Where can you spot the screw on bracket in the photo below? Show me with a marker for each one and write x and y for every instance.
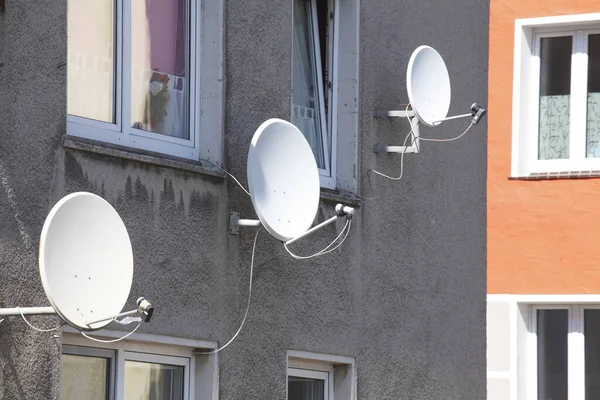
(234, 217)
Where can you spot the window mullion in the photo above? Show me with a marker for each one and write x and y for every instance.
(577, 140)
(119, 63)
(120, 374)
(126, 7)
(534, 99)
(576, 352)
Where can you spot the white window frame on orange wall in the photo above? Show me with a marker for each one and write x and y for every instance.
(526, 89)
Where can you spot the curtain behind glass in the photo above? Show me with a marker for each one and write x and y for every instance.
(306, 107)
(593, 99)
(159, 84)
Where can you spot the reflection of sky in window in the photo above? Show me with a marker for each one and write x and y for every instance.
(153, 381)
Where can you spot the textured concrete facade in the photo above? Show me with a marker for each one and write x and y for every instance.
(405, 296)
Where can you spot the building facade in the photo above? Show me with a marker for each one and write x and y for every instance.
(137, 100)
(542, 316)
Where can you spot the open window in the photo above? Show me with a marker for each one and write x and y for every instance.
(325, 85)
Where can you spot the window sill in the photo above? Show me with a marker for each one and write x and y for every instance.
(141, 156)
(161, 160)
(557, 175)
(335, 196)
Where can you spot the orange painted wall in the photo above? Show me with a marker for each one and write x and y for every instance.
(543, 236)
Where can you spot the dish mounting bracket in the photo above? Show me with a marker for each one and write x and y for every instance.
(235, 222)
(14, 312)
(414, 122)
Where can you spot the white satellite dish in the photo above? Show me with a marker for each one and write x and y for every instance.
(86, 261)
(428, 85)
(283, 179)
(429, 94)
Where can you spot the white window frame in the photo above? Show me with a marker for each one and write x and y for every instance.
(205, 90)
(575, 349)
(201, 371)
(315, 371)
(341, 153)
(339, 372)
(526, 85)
(107, 354)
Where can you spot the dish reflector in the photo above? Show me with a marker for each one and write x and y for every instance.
(283, 179)
(428, 85)
(86, 262)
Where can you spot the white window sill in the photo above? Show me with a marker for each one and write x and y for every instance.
(160, 160)
(540, 176)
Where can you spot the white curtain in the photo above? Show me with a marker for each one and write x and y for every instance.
(593, 125)
(554, 127)
(306, 107)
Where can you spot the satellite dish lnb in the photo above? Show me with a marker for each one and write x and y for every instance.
(283, 180)
(86, 264)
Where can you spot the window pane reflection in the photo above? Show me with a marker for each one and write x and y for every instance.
(305, 388)
(148, 381)
(159, 72)
(91, 59)
(552, 331)
(84, 378)
(555, 97)
(307, 86)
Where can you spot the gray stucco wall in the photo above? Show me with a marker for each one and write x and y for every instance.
(405, 297)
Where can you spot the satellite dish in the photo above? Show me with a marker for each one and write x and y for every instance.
(283, 179)
(428, 85)
(86, 261)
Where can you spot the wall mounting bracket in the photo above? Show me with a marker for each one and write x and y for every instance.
(414, 122)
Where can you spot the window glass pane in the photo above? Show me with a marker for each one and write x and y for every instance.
(84, 378)
(552, 331)
(153, 381)
(159, 71)
(592, 354)
(593, 87)
(307, 89)
(555, 95)
(91, 59)
(305, 388)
